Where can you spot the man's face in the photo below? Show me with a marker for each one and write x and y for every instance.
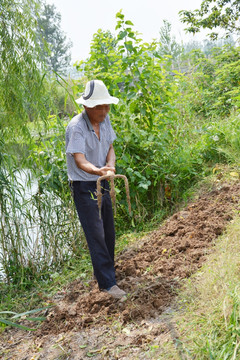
(98, 113)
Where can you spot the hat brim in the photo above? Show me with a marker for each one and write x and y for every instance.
(91, 103)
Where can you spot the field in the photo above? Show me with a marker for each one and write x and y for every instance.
(87, 323)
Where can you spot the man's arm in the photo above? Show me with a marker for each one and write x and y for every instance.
(111, 157)
(83, 164)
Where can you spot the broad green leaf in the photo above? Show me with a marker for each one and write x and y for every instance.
(122, 34)
(120, 15)
(128, 22)
(143, 185)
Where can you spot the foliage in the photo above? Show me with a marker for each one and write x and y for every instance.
(103, 42)
(145, 117)
(35, 220)
(169, 45)
(152, 148)
(47, 157)
(57, 100)
(162, 146)
(224, 344)
(8, 322)
(30, 239)
(21, 78)
(211, 87)
(213, 14)
(52, 41)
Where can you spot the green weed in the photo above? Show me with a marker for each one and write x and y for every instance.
(209, 327)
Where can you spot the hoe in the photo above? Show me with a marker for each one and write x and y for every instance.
(112, 191)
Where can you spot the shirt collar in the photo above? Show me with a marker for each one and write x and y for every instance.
(88, 122)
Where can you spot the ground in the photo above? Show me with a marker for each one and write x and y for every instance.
(86, 323)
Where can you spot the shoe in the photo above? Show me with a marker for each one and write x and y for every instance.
(115, 292)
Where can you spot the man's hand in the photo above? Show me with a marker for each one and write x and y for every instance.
(106, 170)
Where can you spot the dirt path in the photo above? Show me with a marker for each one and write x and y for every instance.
(87, 323)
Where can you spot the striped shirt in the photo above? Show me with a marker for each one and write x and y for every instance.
(81, 138)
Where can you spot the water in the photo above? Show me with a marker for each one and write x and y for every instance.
(35, 226)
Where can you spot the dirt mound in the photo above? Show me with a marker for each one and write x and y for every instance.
(151, 272)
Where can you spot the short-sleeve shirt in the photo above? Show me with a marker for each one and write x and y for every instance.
(81, 138)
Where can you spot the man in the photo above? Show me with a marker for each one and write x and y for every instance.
(90, 154)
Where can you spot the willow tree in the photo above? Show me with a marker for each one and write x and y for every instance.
(21, 71)
(23, 98)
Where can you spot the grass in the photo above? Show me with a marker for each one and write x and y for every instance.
(208, 325)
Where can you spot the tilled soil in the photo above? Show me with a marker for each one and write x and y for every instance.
(150, 273)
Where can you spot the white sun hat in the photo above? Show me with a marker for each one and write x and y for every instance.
(96, 93)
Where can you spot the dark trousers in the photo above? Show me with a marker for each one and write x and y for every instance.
(100, 233)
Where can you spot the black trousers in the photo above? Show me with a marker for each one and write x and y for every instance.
(100, 233)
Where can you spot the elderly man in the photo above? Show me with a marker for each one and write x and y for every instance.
(90, 154)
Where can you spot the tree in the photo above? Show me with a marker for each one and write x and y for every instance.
(103, 43)
(214, 14)
(53, 42)
(208, 46)
(21, 73)
(133, 71)
(168, 43)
